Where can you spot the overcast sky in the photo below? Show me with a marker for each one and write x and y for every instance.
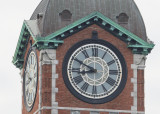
(12, 14)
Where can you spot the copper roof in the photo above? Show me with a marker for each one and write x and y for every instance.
(49, 21)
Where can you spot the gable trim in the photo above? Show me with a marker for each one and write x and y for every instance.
(136, 44)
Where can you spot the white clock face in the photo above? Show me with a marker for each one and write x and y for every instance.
(94, 71)
(30, 80)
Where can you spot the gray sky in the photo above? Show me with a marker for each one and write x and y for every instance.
(13, 13)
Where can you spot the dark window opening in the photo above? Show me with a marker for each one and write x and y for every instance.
(122, 18)
(65, 15)
(113, 113)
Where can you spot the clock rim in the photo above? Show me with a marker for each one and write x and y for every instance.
(29, 108)
(78, 95)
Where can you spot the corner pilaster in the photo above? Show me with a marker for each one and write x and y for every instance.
(48, 57)
(21, 74)
(138, 63)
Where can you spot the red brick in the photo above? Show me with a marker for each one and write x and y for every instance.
(65, 99)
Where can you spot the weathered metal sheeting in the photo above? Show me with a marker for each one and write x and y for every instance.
(51, 9)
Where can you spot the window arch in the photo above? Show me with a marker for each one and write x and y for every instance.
(122, 18)
(65, 15)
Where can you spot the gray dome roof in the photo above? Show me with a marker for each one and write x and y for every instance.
(48, 12)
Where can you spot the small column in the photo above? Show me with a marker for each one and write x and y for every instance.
(21, 74)
(48, 58)
(138, 63)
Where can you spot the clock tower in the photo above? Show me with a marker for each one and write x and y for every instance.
(83, 57)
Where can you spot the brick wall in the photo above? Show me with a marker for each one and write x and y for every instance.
(65, 99)
(140, 90)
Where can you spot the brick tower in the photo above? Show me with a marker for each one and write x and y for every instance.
(83, 57)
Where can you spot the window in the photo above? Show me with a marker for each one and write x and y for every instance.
(65, 15)
(113, 112)
(94, 112)
(75, 112)
(122, 18)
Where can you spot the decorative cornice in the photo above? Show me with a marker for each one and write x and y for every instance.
(21, 47)
(136, 44)
(26, 33)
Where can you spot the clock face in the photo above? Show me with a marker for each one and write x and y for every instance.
(94, 71)
(30, 79)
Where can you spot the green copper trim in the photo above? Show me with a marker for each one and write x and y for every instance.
(47, 44)
(123, 30)
(18, 58)
(141, 46)
(131, 39)
(96, 16)
(52, 41)
(70, 27)
(141, 49)
(28, 28)
(21, 47)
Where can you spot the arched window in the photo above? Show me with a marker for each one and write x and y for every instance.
(122, 18)
(65, 15)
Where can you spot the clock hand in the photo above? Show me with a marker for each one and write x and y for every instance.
(83, 72)
(89, 71)
(84, 64)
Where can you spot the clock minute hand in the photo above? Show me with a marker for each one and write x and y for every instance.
(84, 64)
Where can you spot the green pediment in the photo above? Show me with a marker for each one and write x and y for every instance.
(26, 33)
(136, 44)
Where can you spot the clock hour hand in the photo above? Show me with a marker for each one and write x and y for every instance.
(88, 71)
(82, 72)
(91, 68)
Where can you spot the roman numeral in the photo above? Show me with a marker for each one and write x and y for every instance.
(111, 62)
(85, 86)
(32, 95)
(78, 79)
(31, 59)
(104, 55)
(29, 97)
(35, 65)
(29, 63)
(104, 89)
(110, 81)
(85, 54)
(95, 52)
(113, 72)
(94, 90)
